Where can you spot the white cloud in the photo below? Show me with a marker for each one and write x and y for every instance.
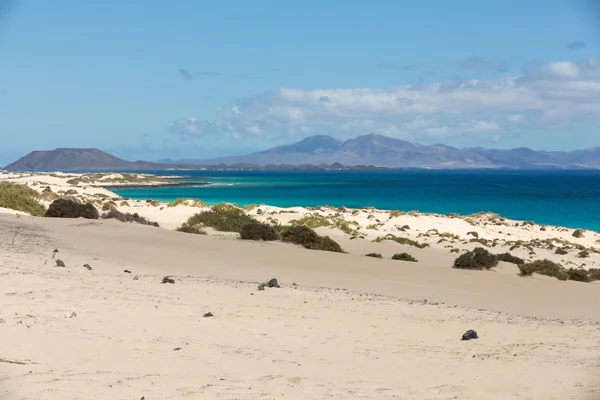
(515, 117)
(190, 127)
(481, 126)
(552, 94)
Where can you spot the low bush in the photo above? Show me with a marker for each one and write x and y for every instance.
(583, 254)
(187, 227)
(21, 198)
(309, 239)
(402, 240)
(404, 257)
(578, 274)
(221, 217)
(550, 268)
(187, 202)
(561, 251)
(544, 267)
(108, 205)
(578, 233)
(374, 255)
(507, 257)
(259, 231)
(62, 208)
(113, 213)
(479, 259)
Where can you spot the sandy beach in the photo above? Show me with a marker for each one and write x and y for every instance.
(340, 326)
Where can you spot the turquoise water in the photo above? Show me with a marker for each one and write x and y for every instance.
(566, 198)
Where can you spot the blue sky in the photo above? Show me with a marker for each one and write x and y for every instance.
(158, 79)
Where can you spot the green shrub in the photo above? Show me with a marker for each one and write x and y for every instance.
(404, 257)
(62, 208)
(583, 254)
(108, 205)
(544, 267)
(578, 274)
(479, 259)
(309, 239)
(259, 231)
(188, 227)
(20, 198)
(594, 274)
(507, 257)
(561, 251)
(402, 240)
(187, 201)
(221, 217)
(113, 213)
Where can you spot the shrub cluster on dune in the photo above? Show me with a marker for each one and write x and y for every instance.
(21, 198)
(113, 213)
(479, 259)
(64, 208)
(259, 231)
(404, 257)
(550, 268)
(229, 218)
(309, 239)
(221, 217)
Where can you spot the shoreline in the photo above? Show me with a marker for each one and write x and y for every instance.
(152, 185)
(446, 233)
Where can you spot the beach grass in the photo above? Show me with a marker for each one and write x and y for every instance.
(187, 201)
(21, 198)
(402, 240)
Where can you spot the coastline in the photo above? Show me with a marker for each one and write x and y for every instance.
(128, 335)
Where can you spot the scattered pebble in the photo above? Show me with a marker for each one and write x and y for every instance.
(208, 314)
(127, 271)
(177, 348)
(136, 278)
(60, 263)
(167, 279)
(87, 266)
(273, 283)
(470, 334)
(70, 314)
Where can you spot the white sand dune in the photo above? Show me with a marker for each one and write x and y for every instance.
(341, 326)
(352, 328)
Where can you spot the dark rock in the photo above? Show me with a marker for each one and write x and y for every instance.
(208, 314)
(470, 334)
(54, 252)
(60, 263)
(87, 266)
(167, 279)
(273, 283)
(127, 271)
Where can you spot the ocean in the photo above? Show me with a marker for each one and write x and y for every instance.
(565, 198)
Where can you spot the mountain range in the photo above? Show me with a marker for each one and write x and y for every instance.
(325, 152)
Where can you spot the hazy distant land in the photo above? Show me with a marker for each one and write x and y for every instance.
(322, 152)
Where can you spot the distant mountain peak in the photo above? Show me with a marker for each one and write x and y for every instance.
(70, 159)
